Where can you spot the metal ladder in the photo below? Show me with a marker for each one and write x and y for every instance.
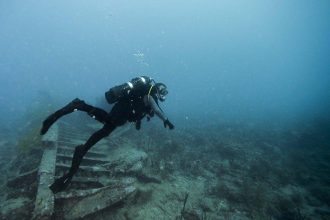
(92, 188)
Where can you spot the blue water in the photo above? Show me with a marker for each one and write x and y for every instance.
(259, 63)
(256, 59)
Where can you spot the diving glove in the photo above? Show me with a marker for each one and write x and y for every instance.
(169, 124)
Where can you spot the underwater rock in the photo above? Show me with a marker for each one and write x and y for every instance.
(91, 201)
(190, 215)
(24, 179)
(129, 161)
(19, 208)
(136, 168)
(206, 205)
(144, 178)
(324, 213)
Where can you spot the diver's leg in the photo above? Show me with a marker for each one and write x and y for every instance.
(80, 151)
(76, 104)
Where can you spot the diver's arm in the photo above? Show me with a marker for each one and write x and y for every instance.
(149, 101)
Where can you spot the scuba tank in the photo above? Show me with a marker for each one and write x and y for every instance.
(124, 90)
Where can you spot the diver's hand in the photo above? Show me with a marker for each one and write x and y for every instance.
(169, 124)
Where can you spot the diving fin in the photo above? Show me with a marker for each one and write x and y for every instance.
(47, 123)
(71, 107)
(60, 184)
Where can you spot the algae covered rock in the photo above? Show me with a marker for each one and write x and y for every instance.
(129, 160)
(19, 208)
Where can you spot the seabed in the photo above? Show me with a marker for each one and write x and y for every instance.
(164, 175)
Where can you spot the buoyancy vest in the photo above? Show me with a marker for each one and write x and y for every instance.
(132, 93)
(137, 87)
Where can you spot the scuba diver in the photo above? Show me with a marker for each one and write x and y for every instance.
(133, 101)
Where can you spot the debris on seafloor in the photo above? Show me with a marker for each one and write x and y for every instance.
(94, 187)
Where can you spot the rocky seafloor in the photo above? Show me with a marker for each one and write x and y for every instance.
(224, 171)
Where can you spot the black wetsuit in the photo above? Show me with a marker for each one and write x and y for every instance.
(127, 110)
